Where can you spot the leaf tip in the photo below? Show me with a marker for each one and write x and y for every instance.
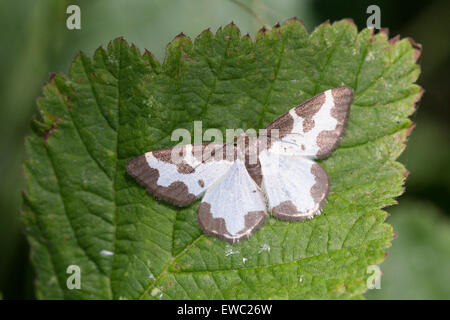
(417, 99)
(177, 43)
(231, 28)
(347, 20)
(151, 58)
(117, 40)
(293, 20)
(204, 35)
(51, 76)
(206, 31)
(394, 40)
(406, 174)
(180, 35)
(417, 47)
(325, 23)
(262, 31)
(410, 129)
(384, 31)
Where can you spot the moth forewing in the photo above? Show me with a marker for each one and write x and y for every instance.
(314, 128)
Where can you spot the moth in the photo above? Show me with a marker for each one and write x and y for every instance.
(236, 192)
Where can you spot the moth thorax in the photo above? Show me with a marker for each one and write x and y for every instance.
(246, 148)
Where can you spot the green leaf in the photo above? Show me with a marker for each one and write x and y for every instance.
(81, 205)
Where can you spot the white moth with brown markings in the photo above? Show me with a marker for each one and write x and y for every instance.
(236, 191)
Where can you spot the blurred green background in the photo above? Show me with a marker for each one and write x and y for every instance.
(35, 41)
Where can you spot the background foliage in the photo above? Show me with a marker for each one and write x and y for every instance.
(36, 42)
